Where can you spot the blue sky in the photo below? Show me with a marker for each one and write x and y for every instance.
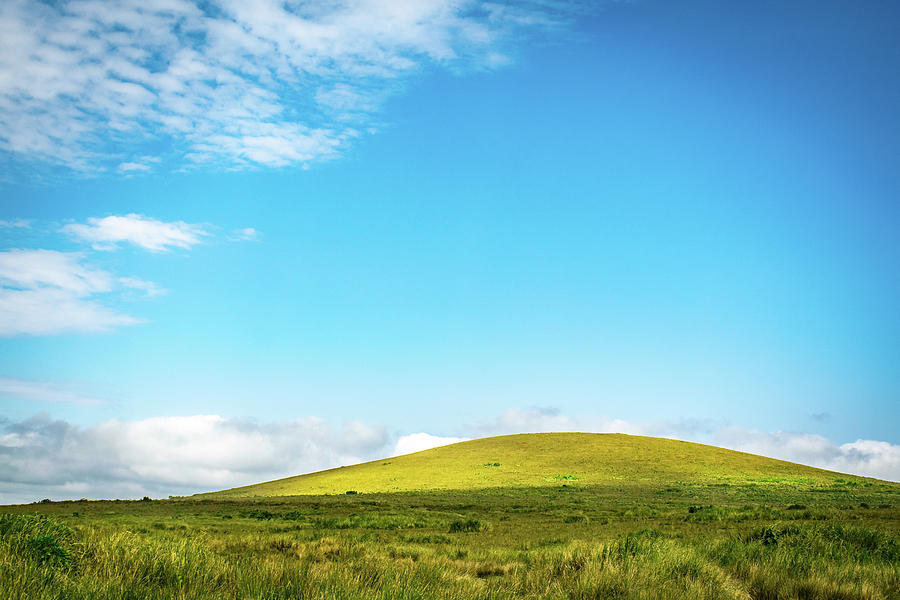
(249, 243)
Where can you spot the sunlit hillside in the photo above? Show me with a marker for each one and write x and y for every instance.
(547, 459)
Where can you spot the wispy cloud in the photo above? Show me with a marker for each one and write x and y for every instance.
(548, 419)
(30, 269)
(93, 85)
(15, 224)
(108, 232)
(143, 164)
(148, 287)
(130, 167)
(246, 234)
(45, 292)
(44, 391)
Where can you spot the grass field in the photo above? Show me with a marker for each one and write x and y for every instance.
(532, 517)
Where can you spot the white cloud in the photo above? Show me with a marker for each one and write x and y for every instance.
(130, 167)
(48, 311)
(29, 269)
(863, 457)
(148, 287)
(145, 232)
(546, 419)
(44, 391)
(92, 84)
(159, 456)
(169, 455)
(15, 224)
(44, 292)
(416, 442)
(246, 234)
(871, 457)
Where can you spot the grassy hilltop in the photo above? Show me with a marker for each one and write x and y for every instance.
(545, 459)
(542, 516)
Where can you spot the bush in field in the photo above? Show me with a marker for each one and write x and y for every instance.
(576, 518)
(47, 549)
(468, 526)
(41, 538)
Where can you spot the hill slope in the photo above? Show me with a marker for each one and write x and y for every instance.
(546, 459)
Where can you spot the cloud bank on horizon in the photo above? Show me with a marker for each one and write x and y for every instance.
(163, 456)
(121, 86)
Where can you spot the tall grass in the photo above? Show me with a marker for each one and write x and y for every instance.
(800, 560)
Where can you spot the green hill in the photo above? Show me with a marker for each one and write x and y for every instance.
(548, 459)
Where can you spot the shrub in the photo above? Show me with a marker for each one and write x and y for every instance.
(260, 515)
(575, 519)
(42, 538)
(48, 550)
(468, 526)
(489, 570)
(772, 535)
(768, 537)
